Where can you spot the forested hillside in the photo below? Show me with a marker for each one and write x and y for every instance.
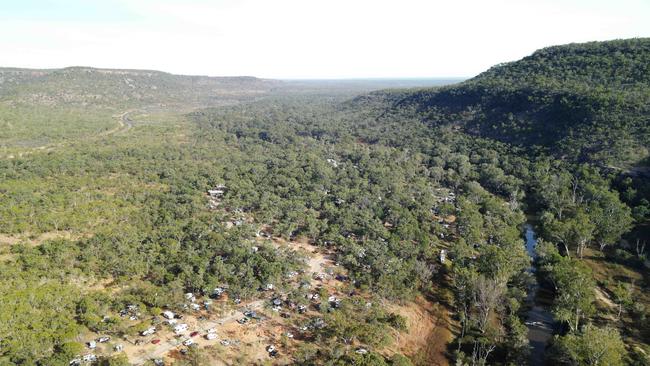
(581, 102)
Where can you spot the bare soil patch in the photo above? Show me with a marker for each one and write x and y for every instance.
(428, 334)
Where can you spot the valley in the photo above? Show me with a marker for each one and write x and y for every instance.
(315, 222)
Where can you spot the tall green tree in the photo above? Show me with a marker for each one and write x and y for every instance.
(611, 218)
(575, 292)
(591, 346)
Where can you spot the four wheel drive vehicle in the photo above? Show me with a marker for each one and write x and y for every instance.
(250, 313)
(188, 342)
(194, 334)
(103, 339)
(155, 341)
(158, 362)
(89, 358)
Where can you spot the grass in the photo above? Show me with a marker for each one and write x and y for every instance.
(25, 129)
(608, 272)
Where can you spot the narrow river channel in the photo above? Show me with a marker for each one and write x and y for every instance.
(539, 319)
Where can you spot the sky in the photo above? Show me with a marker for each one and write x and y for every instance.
(305, 38)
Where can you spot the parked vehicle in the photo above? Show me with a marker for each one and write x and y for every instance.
(272, 350)
(149, 331)
(89, 358)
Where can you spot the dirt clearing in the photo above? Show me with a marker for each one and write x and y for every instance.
(425, 341)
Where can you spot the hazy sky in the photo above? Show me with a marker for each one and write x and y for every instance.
(304, 38)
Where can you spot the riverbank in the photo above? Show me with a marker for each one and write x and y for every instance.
(539, 318)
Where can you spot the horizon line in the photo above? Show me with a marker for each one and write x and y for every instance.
(281, 78)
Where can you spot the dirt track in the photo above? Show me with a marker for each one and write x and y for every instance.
(124, 124)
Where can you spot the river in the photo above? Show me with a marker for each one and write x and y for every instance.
(539, 319)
